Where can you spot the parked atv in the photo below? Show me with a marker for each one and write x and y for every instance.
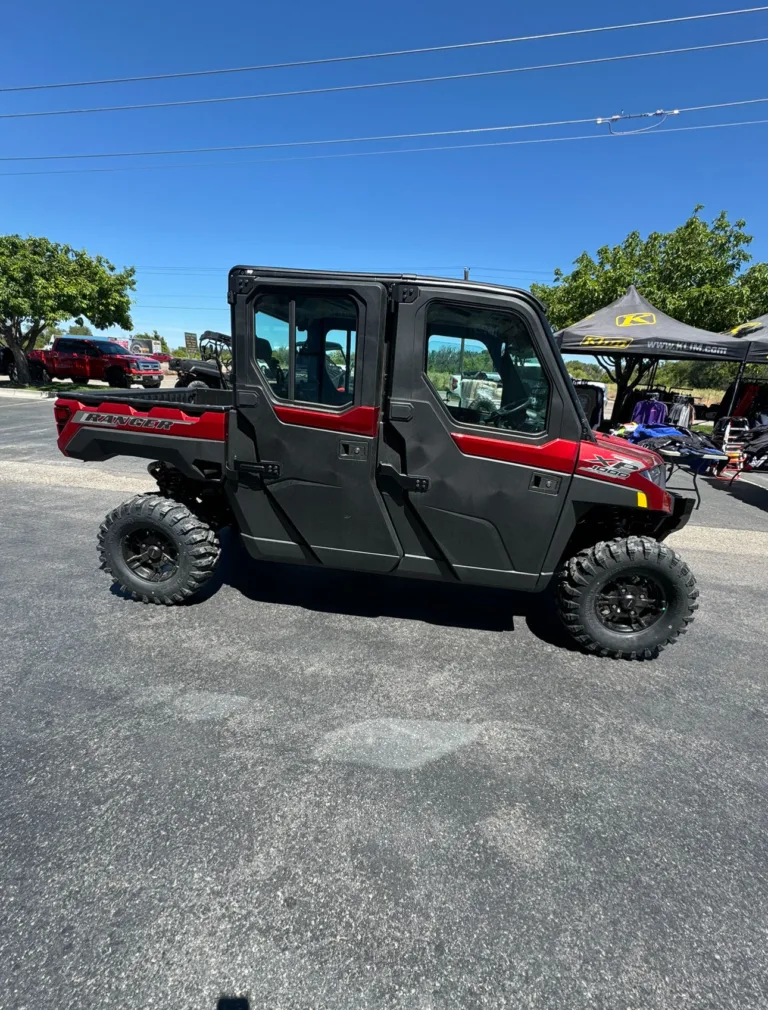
(369, 467)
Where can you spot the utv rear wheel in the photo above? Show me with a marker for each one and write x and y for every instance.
(627, 598)
(157, 550)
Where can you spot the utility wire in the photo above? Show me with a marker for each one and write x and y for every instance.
(371, 154)
(379, 56)
(723, 105)
(608, 120)
(381, 84)
(297, 143)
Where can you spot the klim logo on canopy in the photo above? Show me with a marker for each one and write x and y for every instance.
(637, 319)
(617, 343)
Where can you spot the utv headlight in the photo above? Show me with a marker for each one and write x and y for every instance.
(656, 475)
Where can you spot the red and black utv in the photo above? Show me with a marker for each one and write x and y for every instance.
(350, 450)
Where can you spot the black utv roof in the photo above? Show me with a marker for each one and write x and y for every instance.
(265, 273)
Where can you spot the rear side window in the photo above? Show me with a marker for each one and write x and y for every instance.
(484, 367)
(65, 345)
(306, 346)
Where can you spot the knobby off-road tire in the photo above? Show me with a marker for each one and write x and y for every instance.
(157, 550)
(627, 598)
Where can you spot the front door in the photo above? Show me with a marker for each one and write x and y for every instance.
(480, 411)
(303, 437)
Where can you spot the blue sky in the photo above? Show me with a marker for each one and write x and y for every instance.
(511, 213)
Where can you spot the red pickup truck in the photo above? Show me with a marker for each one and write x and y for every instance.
(81, 359)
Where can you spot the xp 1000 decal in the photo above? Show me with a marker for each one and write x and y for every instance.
(612, 466)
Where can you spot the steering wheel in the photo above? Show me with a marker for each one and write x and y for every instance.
(506, 412)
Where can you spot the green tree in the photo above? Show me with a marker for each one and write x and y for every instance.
(48, 334)
(79, 330)
(44, 282)
(697, 273)
(704, 374)
(587, 370)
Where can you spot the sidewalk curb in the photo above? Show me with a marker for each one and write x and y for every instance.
(28, 395)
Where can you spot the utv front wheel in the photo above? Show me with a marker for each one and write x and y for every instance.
(157, 550)
(627, 598)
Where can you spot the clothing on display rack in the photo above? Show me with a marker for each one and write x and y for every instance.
(650, 410)
(681, 411)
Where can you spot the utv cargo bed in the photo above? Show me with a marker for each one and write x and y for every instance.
(184, 427)
(210, 399)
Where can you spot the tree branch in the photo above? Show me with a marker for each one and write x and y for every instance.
(609, 365)
(29, 339)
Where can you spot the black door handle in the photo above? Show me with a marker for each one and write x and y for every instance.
(405, 480)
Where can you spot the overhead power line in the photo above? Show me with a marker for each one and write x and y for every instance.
(371, 154)
(378, 56)
(381, 84)
(602, 120)
(295, 143)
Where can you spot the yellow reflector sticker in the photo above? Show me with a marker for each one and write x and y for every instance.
(642, 501)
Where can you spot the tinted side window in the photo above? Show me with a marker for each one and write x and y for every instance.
(65, 345)
(306, 346)
(484, 367)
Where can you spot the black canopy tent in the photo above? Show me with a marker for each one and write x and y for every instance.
(632, 327)
(756, 332)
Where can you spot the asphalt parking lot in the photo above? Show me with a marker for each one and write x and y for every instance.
(329, 791)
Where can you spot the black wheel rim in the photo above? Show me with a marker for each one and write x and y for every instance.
(150, 554)
(631, 603)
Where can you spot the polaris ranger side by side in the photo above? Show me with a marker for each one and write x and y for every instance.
(373, 467)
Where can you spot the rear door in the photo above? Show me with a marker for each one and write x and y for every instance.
(496, 462)
(79, 372)
(62, 358)
(303, 437)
